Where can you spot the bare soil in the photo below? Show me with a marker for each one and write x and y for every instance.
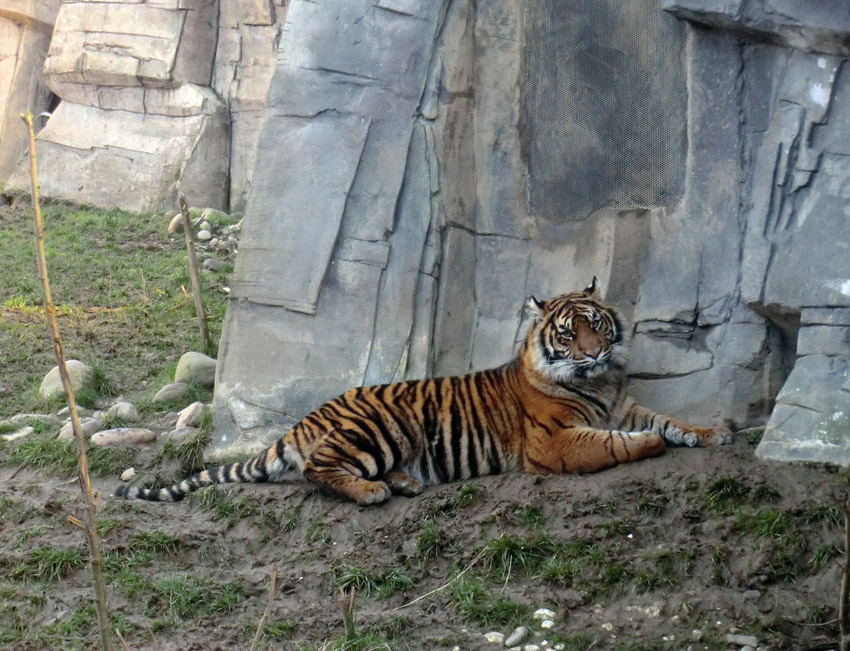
(669, 553)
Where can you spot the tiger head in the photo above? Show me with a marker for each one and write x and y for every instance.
(574, 337)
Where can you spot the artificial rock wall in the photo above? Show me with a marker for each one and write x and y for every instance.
(388, 234)
(25, 28)
(158, 97)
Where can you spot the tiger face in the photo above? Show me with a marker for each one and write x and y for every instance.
(575, 337)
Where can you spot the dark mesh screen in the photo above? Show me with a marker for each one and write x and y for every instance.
(604, 106)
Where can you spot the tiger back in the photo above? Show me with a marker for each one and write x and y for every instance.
(559, 406)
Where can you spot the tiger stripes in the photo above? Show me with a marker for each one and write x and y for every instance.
(559, 406)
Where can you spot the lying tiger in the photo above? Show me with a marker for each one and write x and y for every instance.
(559, 406)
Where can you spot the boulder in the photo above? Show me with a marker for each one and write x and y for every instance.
(171, 392)
(196, 368)
(192, 415)
(80, 374)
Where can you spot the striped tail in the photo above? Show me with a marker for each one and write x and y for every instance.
(267, 466)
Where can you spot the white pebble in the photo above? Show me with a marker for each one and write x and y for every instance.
(559, 646)
(128, 475)
(495, 637)
(544, 613)
(531, 647)
(696, 635)
(547, 623)
(515, 638)
(608, 626)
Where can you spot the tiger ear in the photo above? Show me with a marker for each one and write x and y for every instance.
(536, 307)
(591, 290)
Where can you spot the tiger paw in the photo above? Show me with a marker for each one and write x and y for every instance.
(707, 436)
(402, 484)
(371, 492)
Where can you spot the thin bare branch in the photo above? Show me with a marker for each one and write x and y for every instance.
(90, 524)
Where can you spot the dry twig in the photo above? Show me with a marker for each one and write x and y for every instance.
(90, 520)
(193, 274)
(272, 590)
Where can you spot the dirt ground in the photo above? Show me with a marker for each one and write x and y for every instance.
(675, 552)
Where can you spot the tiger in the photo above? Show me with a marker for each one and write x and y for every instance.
(560, 406)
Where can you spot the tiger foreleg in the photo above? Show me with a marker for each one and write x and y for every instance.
(674, 432)
(584, 449)
(342, 482)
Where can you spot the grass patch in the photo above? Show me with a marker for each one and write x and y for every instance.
(49, 563)
(60, 457)
(469, 494)
(473, 602)
(222, 507)
(366, 583)
(431, 542)
(724, 493)
(179, 597)
(116, 278)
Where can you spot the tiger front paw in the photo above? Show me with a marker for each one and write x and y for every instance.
(717, 435)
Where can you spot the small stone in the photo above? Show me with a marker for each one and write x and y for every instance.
(214, 242)
(128, 475)
(47, 419)
(88, 424)
(547, 623)
(176, 224)
(531, 647)
(495, 637)
(171, 392)
(205, 226)
(696, 635)
(123, 411)
(751, 595)
(18, 434)
(197, 368)
(192, 415)
(122, 436)
(559, 646)
(745, 640)
(181, 435)
(214, 265)
(747, 647)
(517, 637)
(608, 626)
(544, 613)
(204, 235)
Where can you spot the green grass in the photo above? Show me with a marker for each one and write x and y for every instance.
(116, 280)
(724, 493)
(49, 563)
(222, 506)
(475, 602)
(431, 542)
(180, 596)
(60, 457)
(469, 494)
(368, 583)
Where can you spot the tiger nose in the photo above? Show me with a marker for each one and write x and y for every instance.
(593, 352)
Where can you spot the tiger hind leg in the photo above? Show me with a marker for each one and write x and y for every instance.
(403, 484)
